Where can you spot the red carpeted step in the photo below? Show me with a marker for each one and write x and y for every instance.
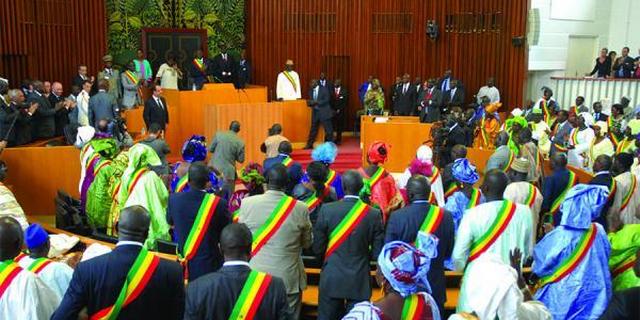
(349, 156)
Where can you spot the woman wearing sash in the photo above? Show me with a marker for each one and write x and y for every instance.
(253, 181)
(625, 243)
(488, 128)
(617, 123)
(326, 153)
(465, 196)
(571, 262)
(423, 165)
(194, 149)
(600, 144)
(402, 275)
(314, 192)
(98, 196)
(374, 99)
(580, 140)
(104, 148)
(378, 182)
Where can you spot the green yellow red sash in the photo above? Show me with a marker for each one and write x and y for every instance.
(474, 201)
(93, 160)
(331, 177)
(182, 183)
(100, 166)
(613, 187)
(376, 177)
(137, 279)
(235, 216)
(250, 298)
(273, 223)
(9, 270)
(512, 155)
(574, 136)
(545, 111)
(342, 231)
(135, 178)
(291, 80)
(200, 226)
(622, 267)
(413, 307)
(434, 176)
(133, 78)
(572, 261)
(498, 226)
(287, 162)
(531, 196)
(84, 149)
(555, 206)
(431, 221)
(38, 265)
(20, 256)
(624, 145)
(483, 133)
(627, 197)
(451, 190)
(199, 63)
(313, 202)
(432, 198)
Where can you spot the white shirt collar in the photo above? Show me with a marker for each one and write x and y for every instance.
(128, 243)
(602, 172)
(351, 197)
(3, 99)
(236, 263)
(38, 93)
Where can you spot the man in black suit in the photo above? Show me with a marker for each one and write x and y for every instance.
(404, 224)
(223, 66)
(405, 102)
(21, 132)
(345, 278)
(431, 103)
(81, 76)
(321, 114)
(603, 177)
(456, 135)
(44, 118)
(597, 113)
(244, 70)
(216, 295)
(62, 115)
(455, 96)
(323, 82)
(623, 68)
(182, 211)
(97, 282)
(155, 109)
(339, 101)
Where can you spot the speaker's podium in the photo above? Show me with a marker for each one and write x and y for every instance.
(403, 134)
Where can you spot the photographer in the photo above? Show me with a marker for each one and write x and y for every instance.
(15, 119)
(117, 128)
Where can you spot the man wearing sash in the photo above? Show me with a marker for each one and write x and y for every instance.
(197, 71)
(522, 192)
(198, 218)
(227, 148)
(347, 235)
(627, 201)
(625, 244)
(420, 215)
(496, 227)
(127, 283)
(236, 291)
(463, 195)
(294, 168)
(457, 152)
(130, 85)
(288, 84)
(54, 274)
(580, 141)
(603, 177)
(503, 156)
(555, 187)
(22, 294)
(281, 229)
(571, 262)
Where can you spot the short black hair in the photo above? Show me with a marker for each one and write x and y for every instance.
(618, 107)
(85, 82)
(317, 171)
(352, 182)
(234, 126)
(198, 174)
(236, 240)
(285, 147)
(277, 176)
(155, 128)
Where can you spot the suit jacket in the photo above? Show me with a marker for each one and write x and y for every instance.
(404, 224)
(227, 148)
(552, 187)
(97, 282)
(603, 179)
(346, 273)
(561, 135)
(600, 117)
(102, 106)
(7, 117)
(154, 113)
(321, 106)
(499, 159)
(114, 82)
(339, 101)
(243, 73)
(431, 103)
(456, 100)
(457, 135)
(326, 84)
(181, 213)
(294, 171)
(281, 255)
(624, 69)
(62, 115)
(195, 73)
(219, 65)
(77, 80)
(213, 296)
(44, 122)
(21, 133)
(405, 102)
(130, 97)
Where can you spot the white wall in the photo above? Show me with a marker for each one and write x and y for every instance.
(624, 26)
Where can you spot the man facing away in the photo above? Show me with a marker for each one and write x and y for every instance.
(22, 295)
(196, 214)
(102, 105)
(159, 145)
(603, 177)
(420, 215)
(555, 187)
(227, 149)
(288, 83)
(98, 282)
(294, 168)
(221, 295)
(281, 229)
(347, 235)
(272, 142)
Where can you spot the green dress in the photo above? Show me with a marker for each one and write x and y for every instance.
(99, 199)
(624, 245)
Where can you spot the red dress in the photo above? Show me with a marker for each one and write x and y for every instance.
(384, 193)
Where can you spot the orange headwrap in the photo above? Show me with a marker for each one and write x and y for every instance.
(378, 152)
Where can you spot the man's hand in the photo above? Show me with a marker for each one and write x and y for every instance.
(33, 107)
(515, 258)
(547, 227)
(3, 144)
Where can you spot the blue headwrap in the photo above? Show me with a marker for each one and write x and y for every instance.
(464, 171)
(35, 236)
(194, 149)
(406, 267)
(582, 204)
(325, 153)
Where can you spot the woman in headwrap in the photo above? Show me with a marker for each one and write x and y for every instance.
(374, 99)
(628, 143)
(84, 136)
(98, 195)
(141, 186)
(194, 149)
(540, 132)
(580, 140)
(314, 192)
(571, 261)
(463, 194)
(616, 123)
(423, 165)
(116, 169)
(103, 149)
(625, 243)
(513, 127)
(600, 144)
(378, 182)
(488, 128)
(402, 275)
(253, 181)
(326, 153)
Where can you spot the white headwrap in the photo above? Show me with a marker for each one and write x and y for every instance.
(588, 118)
(424, 153)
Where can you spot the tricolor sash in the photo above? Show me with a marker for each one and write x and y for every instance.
(313, 202)
(20, 256)
(9, 270)
(200, 226)
(434, 176)
(624, 145)
(133, 78)
(291, 80)
(572, 261)
(235, 216)
(100, 166)
(137, 279)
(93, 160)
(512, 155)
(432, 198)
(199, 64)
(613, 187)
(431, 221)
(375, 177)
(555, 206)
(84, 149)
(342, 231)
(250, 298)
(496, 229)
(413, 307)
(627, 197)
(38, 265)
(287, 162)
(474, 200)
(272, 224)
(622, 267)
(531, 196)
(135, 178)
(331, 177)
(546, 114)
(574, 136)
(451, 190)
(483, 133)
(182, 183)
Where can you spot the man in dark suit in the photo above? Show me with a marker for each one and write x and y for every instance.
(339, 102)
(444, 84)
(217, 295)
(43, 122)
(182, 211)
(294, 169)
(405, 102)
(97, 282)
(455, 96)
(431, 103)
(345, 278)
(223, 66)
(560, 132)
(457, 135)
(21, 132)
(62, 116)
(321, 114)
(155, 109)
(404, 224)
(324, 82)
(597, 113)
(81, 76)
(244, 71)
(603, 177)
(554, 184)
(623, 68)
(102, 106)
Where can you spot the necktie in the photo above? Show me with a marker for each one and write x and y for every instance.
(337, 91)
(159, 102)
(315, 94)
(404, 89)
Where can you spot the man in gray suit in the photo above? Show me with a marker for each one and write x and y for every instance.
(227, 149)
(102, 106)
(130, 85)
(281, 254)
(500, 158)
(560, 133)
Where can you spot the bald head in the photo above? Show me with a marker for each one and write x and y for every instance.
(502, 139)
(134, 224)
(418, 188)
(352, 183)
(11, 238)
(495, 181)
(602, 163)
(235, 242)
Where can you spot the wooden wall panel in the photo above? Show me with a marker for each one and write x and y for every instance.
(47, 39)
(386, 38)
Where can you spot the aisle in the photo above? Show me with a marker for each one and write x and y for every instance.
(349, 155)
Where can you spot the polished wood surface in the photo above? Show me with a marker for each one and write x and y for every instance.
(385, 38)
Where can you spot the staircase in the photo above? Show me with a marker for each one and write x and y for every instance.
(349, 155)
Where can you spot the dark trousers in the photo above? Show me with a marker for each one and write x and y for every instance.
(338, 125)
(333, 308)
(313, 132)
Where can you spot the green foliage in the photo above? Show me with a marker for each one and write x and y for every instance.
(223, 20)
